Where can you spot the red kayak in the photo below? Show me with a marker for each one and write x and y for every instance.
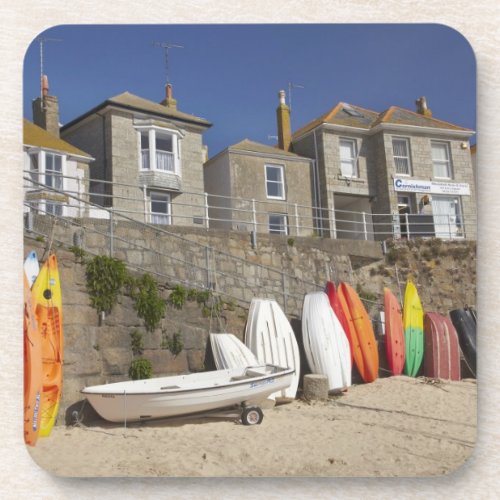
(333, 297)
(394, 333)
(442, 351)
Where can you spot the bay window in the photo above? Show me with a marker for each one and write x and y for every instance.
(159, 150)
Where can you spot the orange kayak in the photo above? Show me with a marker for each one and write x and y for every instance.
(394, 333)
(364, 345)
(48, 312)
(32, 369)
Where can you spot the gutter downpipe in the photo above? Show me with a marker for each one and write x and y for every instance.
(317, 193)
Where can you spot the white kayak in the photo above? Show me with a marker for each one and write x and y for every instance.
(325, 342)
(230, 352)
(31, 267)
(270, 337)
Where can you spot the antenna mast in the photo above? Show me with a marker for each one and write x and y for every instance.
(41, 41)
(166, 46)
(290, 87)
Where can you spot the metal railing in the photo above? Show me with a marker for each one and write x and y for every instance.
(226, 212)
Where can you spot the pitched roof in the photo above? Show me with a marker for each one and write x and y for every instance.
(33, 135)
(133, 102)
(257, 147)
(354, 116)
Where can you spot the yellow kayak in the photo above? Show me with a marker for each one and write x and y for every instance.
(46, 293)
(413, 324)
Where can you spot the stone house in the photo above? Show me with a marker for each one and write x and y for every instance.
(58, 170)
(257, 187)
(148, 158)
(396, 162)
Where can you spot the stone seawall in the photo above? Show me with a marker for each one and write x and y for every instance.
(98, 351)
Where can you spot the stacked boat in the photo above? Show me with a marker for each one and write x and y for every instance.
(43, 347)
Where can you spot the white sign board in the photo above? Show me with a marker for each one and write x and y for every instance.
(431, 187)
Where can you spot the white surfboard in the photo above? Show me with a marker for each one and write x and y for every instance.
(229, 352)
(31, 267)
(270, 337)
(325, 342)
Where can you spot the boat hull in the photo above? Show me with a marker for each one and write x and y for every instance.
(325, 343)
(32, 369)
(394, 334)
(465, 325)
(335, 304)
(229, 352)
(48, 312)
(364, 345)
(413, 324)
(164, 397)
(442, 351)
(270, 337)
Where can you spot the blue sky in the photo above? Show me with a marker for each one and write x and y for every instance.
(231, 74)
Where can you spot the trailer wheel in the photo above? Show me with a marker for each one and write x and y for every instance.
(252, 416)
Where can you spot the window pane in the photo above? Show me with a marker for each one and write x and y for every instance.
(346, 150)
(347, 168)
(273, 174)
(164, 143)
(277, 224)
(439, 152)
(402, 165)
(274, 182)
(144, 140)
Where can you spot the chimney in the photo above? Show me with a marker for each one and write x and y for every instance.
(46, 109)
(169, 100)
(422, 107)
(284, 127)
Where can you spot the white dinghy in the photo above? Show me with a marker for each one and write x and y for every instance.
(325, 342)
(139, 400)
(270, 337)
(230, 352)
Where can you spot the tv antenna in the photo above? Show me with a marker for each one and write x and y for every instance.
(42, 41)
(290, 87)
(166, 46)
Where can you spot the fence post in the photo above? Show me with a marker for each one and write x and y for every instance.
(449, 225)
(254, 215)
(111, 230)
(283, 287)
(365, 231)
(297, 224)
(207, 263)
(145, 197)
(407, 226)
(207, 224)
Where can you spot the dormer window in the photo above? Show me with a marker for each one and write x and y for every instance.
(160, 150)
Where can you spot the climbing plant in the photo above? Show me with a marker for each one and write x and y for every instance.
(105, 279)
(147, 301)
(140, 368)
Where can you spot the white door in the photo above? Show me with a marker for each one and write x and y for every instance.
(447, 216)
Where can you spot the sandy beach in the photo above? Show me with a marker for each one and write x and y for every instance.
(396, 426)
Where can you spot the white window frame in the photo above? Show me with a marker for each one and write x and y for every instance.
(154, 216)
(353, 160)
(283, 225)
(280, 183)
(152, 132)
(447, 162)
(406, 141)
(57, 176)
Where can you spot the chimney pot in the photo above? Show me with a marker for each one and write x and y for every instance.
(45, 85)
(284, 125)
(422, 106)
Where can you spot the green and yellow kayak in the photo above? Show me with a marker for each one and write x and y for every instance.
(413, 324)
